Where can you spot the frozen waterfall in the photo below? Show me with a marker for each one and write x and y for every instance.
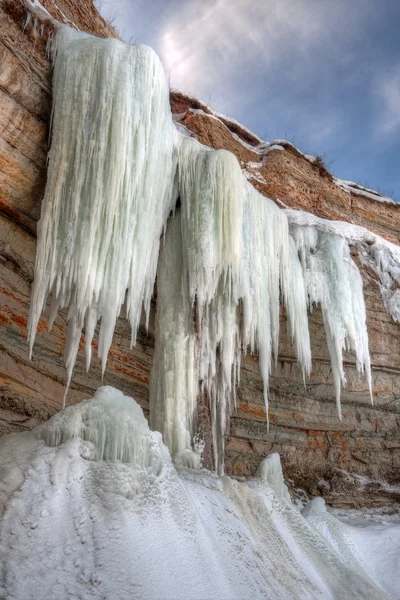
(109, 189)
(227, 263)
(116, 168)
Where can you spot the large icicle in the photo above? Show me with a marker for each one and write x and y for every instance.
(108, 191)
(236, 256)
(174, 382)
(270, 264)
(334, 282)
(211, 188)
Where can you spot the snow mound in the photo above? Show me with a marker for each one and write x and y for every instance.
(77, 522)
(114, 424)
(315, 507)
(270, 471)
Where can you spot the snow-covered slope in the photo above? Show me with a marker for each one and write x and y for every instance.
(92, 507)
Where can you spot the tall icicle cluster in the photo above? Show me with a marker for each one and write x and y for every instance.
(334, 282)
(109, 188)
(174, 381)
(116, 167)
(236, 257)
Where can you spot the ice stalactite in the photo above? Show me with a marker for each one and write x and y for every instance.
(211, 189)
(270, 471)
(237, 261)
(174, 381)
(109, 188)
(271, 272)
(334, 282)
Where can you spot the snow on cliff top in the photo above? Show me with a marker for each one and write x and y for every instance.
(261, 147)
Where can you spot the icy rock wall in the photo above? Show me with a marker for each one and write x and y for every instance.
(109, 193)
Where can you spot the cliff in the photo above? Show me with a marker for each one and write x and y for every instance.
(316, 447)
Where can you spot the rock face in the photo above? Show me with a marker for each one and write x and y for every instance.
(317, 449)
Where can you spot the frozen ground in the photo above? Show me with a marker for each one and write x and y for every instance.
(92, 507)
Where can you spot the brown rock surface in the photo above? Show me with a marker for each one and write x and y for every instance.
(304, 425)
(290, 179)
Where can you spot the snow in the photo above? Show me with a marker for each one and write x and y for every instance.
(78, 523)
(371, 547)
(316, 506)
(354, 188)
(109, 189)
(284, 144)
(250, 176)
(207, 110)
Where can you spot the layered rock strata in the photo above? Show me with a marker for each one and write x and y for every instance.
(317, 449)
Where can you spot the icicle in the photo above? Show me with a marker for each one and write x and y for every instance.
(174, 382)
(269, 263)
(211, 192)
(334, 282)
(109, 188)
(270, 471)
(236, 254)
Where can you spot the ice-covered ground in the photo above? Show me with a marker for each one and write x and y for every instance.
(92, 507)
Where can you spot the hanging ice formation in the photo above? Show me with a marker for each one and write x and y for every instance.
(333, 281)
(116, 166)
(174, 381)
(229, 256)
(108, 191)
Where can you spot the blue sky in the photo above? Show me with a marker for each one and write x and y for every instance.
(323, 74)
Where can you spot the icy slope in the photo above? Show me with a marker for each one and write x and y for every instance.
(76, 525)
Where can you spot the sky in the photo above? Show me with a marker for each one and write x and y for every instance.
(322, 74)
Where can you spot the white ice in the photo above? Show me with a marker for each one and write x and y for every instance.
(78, 522)
(116, 167)
(334, 282)
(222, 274)
(174, 379)
(375, 252)
(109, 188)
(270, 471)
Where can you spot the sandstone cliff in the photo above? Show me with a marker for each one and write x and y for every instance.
(304, 428)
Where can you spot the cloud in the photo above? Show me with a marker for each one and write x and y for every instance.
(218, 40)
(388, 94)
